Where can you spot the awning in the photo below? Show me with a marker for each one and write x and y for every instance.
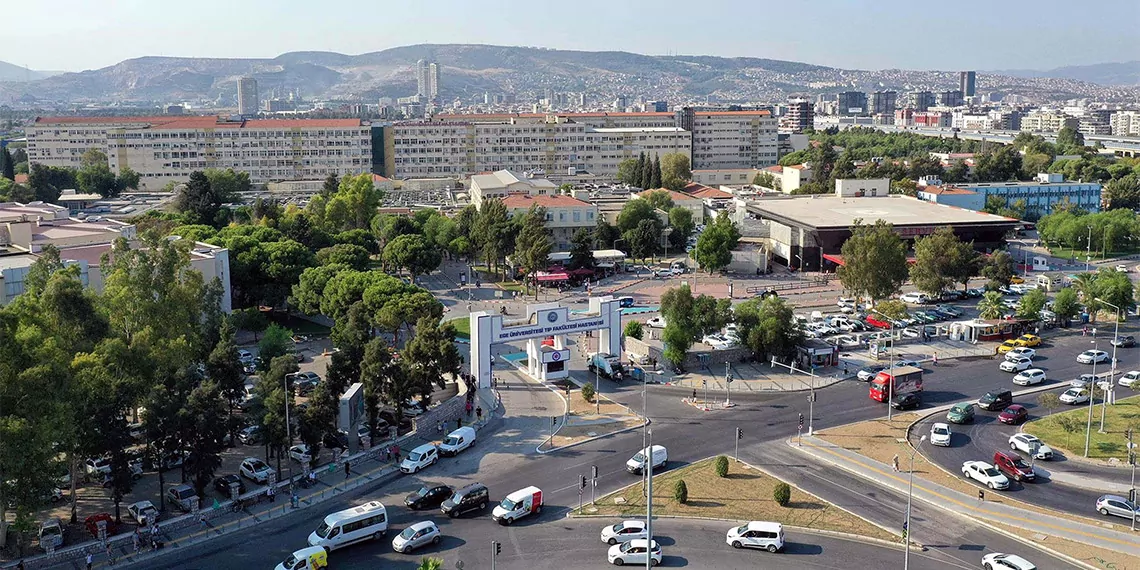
(582, 272)
(543, 276)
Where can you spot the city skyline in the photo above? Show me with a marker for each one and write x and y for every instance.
(134, 29)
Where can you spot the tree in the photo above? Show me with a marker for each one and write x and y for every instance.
(273, 392)
(318, 419)
(766, 180)
(681, 220)
(1030, 305)
(95, 177)
(224, 368)
(1032, 164)
(588, 393)
(646, 180)
(198, 201)
(681, 492)
(430, 356)
(228, 183)
(410, 252)
(633, 329)
(1049, 401)
(941, 260)
(353, 205)
(991, 305)
(782, 494)
(768, 327)
(1070, 141)
(635, 211)
(1123, 193)
(331, 185)
(1065, 305)
(721, 466)
(644, 239)
(628, 171)
(12, 192)
(605, 235)
(533, 245)
(205, 414)
(658, 199)
(675, 171)
(893, 309)
(655, 178)
(1114, 287)
(581, 250)
(822, 159)
(349, 255)
(958, 172)
(492, 232)
(7, 164)
(714, 246)
(431, 564)
(998, 165)
(998, 269)
(274, 343)
(677, 306)
(874, 261)
(47, 182)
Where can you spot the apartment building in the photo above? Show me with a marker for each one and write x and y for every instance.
(564, 215)
(1047, 122)
(1125, 123)
(852, 103)
(26, 229)
(169, 148)
(501, 183)
(732, 139)
(1040, 195)
(884, 102)
(800, 116)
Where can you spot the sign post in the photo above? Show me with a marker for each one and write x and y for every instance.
(727, 385)
(594, 486)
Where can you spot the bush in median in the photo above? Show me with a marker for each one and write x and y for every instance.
(681, 492)
(782, 494)
(588, 392)
(721, 466)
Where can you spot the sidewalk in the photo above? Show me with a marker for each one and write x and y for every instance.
(958, 503)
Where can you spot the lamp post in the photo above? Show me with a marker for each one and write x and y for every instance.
(890, 359)
(1112, 366)
(1088, 427)
(909, 496)
(649, 504)
(288, 425)
(1088, 249)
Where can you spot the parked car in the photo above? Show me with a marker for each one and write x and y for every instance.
(1130, 378)
(940, 434)
(300, 453)
(914, 298)
(91, 523)
(635, 552)
(1013, 466)
(142, 512)
(624, 531)
(656, 322)
(1013, 415)
(1021, 351)
(98, 466)
(1117, 506)
(250, 435)
(222, 484)
(1027, 443)
(182, 496)
(427, 497)
(255, 470)
(1028, 377)
(1028, 340)
(985, 474)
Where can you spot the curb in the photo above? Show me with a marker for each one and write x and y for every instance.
(976, 520)
(566, 412)
(803, 529)
(588, 440)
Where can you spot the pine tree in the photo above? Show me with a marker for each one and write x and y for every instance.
(655, 181)
(639, 173)
(646, 174)
(7, 164)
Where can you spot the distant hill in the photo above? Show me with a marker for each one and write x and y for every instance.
(9, 72)
(469, 71)
(1120, 73)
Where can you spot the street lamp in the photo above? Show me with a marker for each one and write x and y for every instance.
(1112, 368)
(890, 358)
(909, 496)
(1088, 250)
(1092, 385)
(649, 503)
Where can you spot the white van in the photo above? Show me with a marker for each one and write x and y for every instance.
(360, 523)
(51, 533)
(419, 458)
(636, 464)
(518, 505)
(457, 441)
(311, 558)
(757, 534)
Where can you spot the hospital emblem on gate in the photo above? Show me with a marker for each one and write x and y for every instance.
(552, 316)
(556, 356)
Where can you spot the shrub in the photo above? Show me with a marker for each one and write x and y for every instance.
(681, 492)
(634, 329)
(721, 466)
(588, 392)
(782, 494)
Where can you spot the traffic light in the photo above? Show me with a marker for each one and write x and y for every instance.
(801, 421)
(594, 474)
(905, 529)
(498, 547)
(739, 433)
(581, 481)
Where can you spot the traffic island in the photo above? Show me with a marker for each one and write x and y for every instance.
(588, 419)
(1065, 431)
(746, 493)
(881, 441)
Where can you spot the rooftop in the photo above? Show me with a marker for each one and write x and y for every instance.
(504, 178)
(675, 196)
(834, 212)
(705, 192)
(524, 201)
(200, 122)
(942, 190)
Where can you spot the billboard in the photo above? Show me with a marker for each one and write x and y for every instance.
(351, 407)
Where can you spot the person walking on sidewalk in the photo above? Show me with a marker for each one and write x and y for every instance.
(694, 400)
(347, 470)
(981, 495)
(935, 359)
(895, 463)
(88, 562)
(479, 413)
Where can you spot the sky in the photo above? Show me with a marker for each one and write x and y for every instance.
(74, 35)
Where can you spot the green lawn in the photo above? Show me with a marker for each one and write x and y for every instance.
(462, 326)
(1079, 254)
(1112, 443)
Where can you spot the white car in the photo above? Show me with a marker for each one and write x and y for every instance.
(98, 466)
(624, 531)
(940, 434)
(1026, 443)
(635, 552)
(985, 474)
(656, 322)
(1092, 357)
(1016, 364)
(255, 470)
(245, 355)
(143, 512)
(1028, 377)
(999, 561)
(1130, 379)
(1075, 396)
(719, 341)
(913, 298)
(1082, 381)
(845, 341)
(300, 453)
(1021, 351)
(846, 302)
(1122, 268)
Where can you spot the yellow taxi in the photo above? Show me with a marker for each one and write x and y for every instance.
(1016, 279)
(1007, 346)
(1028, 340)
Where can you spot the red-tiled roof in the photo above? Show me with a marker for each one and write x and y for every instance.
(21, 179)
(462, 116)
(378, 178)
(939, 190)
(201, 122)
(525, 201)
(776, 169)
(301, 123)
(705, 192)
(675, 196)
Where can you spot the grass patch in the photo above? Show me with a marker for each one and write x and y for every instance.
(1117, 419)
(462, 326)
(1079, 254)
(1096, 557)
(745, 494)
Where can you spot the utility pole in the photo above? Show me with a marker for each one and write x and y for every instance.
(739, 436)
(1112, 367)
(727, 385)
(811, 404)
(594, 485)
(597, 375)
(496, 548)
(649, 504)
(706, 386)
(1091, 387)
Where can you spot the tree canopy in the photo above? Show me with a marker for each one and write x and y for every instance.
(874, 261)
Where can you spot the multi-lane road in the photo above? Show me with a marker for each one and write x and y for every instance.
(504, 460)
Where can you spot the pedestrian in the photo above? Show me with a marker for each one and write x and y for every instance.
(347, 470)
(1094, 332)
(20, 565)
(312, 477)
(110, 553)
(137, 540)
(479, 413)
(981, 496)
(294, 500)
(845, 369)
(694, 394)
(468, 408)
(439, 427)
(88, 562)
(895, 462)
(271, 492)
(935, 359)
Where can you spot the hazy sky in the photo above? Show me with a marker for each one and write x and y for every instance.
(74, 35)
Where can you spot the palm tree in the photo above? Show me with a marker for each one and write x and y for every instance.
(991, 306)
(431, 564)
(1085, 284)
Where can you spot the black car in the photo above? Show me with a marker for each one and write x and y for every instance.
(473, 497)
(222, 484)
(1127, 341)
(996, 400)
(907, 401)
(426, 497)
(335, 440)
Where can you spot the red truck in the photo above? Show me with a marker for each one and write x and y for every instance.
(894, 382)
